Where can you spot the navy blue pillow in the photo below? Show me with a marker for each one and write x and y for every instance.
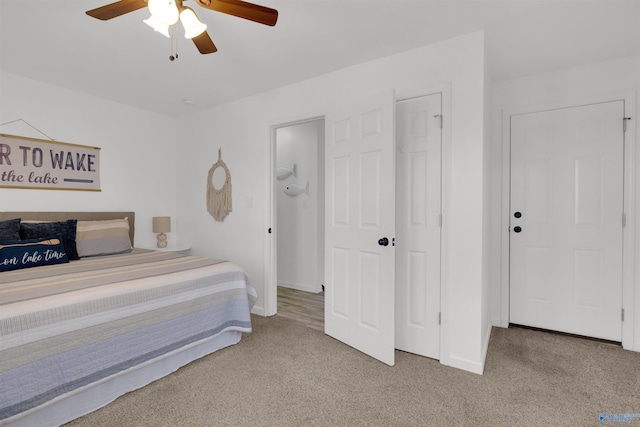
(41, 230)
(10, 229)
(32, 253)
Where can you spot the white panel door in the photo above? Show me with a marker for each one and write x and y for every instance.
(566, 220)
(360, 215)
(418, 208)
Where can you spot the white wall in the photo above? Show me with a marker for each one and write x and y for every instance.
(147, 157)
(138, 171)
(611, 79)
(157, 165)
(297, 227)
(242, 129)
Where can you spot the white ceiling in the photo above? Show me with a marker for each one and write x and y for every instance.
(123, 60)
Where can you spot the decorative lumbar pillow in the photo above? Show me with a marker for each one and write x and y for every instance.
(32, 253)
(10, 229)
(40, 230)
(104, 237)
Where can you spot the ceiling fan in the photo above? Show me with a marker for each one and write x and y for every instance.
(165, 13)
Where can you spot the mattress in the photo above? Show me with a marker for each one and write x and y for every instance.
(65, 327)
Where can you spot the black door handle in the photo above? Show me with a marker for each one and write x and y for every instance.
(517, 229)
(383, 242)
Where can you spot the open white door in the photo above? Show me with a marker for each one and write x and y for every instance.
(360, 226)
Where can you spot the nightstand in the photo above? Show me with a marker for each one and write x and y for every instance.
(182, 249)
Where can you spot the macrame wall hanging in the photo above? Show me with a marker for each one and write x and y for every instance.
(219, 199)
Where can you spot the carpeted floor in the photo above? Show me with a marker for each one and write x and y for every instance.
(286, 374)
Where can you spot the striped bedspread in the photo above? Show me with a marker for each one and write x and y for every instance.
(65, 326)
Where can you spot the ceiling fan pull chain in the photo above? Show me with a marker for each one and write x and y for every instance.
(171, 57)
(175, 29)
(173, 41)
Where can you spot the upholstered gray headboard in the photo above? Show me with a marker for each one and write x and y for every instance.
(82, 216)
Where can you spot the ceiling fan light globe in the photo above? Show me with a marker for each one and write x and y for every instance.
(165, 11)
(157, 26)
(192, 25)
(195, 31)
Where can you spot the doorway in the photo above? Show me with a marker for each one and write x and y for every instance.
(416, 193)
(298, 192)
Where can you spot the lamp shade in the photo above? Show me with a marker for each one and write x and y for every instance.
(192, 25)
(165, 11)
(157, 25)
(161, 224)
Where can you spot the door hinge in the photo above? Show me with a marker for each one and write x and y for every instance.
(624, 220)
(439, 116)
(624, 123)
(440, 318)
(622, 314)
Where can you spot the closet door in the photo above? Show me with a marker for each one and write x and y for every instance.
(418, 208)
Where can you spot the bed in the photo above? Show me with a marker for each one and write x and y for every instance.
(76, 335)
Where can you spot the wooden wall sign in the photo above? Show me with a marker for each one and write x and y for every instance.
(51, 165)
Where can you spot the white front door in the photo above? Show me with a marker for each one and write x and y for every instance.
(566, 220)
(360, 226)
(418, 178)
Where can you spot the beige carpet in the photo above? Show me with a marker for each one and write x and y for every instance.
(285, 374)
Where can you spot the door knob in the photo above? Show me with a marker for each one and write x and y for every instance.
(517, 229)
(383, 242)
(517, 214)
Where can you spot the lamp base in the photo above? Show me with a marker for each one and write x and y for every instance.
(162, 240)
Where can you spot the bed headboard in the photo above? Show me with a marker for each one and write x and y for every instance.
(82, 216)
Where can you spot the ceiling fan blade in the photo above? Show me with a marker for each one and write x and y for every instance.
(243, 9)
(116, 9)
(204, 43)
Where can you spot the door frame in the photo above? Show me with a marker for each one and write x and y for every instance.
(271, 246)
(630, 291)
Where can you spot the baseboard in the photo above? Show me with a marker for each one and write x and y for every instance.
(298, 287)
(497, 321)
(466, 365)
(258, 310)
